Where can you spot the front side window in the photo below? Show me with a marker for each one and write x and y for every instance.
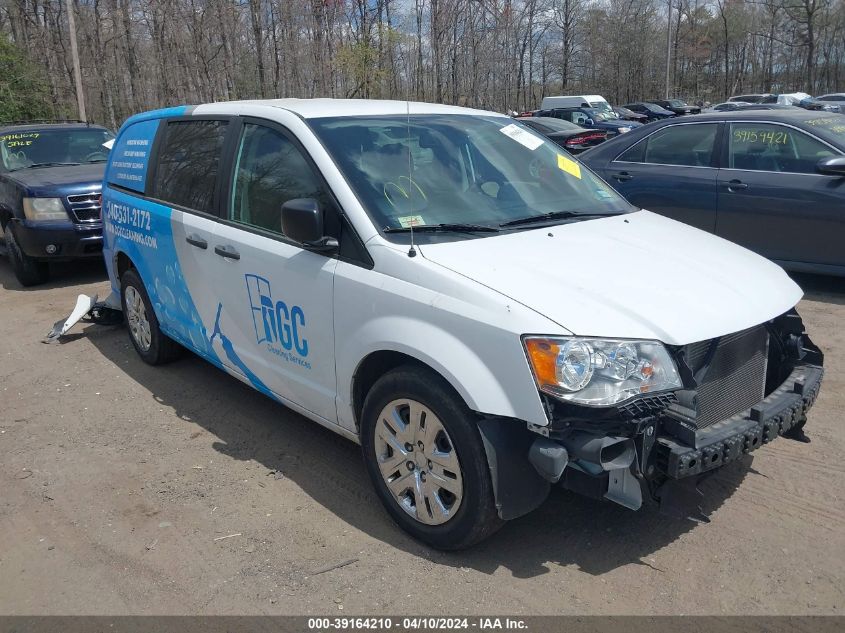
(432, 169)
(44, 148)
(682, 145)
(269, 171)
(188, 163)
(777, 148)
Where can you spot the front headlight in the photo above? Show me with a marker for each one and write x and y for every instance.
(622, 130)
(599, 372)
(44, 209)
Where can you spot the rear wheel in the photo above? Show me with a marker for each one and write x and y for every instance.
(29, 271)
(152, 345)
(425, 457)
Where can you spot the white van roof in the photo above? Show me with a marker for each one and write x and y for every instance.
(317, 108)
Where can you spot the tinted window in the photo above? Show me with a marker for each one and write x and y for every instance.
(769, 147)
(686, 145)
(269, 171)
(188, 163)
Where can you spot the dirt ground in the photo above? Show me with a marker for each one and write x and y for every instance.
(127, 489)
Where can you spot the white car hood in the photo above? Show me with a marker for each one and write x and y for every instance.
(638, 275)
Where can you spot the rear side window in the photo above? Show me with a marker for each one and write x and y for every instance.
(188, 164)
(683, 145)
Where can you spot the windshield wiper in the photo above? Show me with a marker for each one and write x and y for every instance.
(554, 215)
(49, 165)
(433, 228)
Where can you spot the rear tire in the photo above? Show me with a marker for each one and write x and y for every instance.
(29, 271)
(153, 346)
(425, 457)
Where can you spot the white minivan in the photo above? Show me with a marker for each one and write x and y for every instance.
(484, 315)
(597, 102)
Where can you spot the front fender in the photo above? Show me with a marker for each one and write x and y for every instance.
(499, 383)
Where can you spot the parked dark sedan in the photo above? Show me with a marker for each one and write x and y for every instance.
(590, 118)
(770, 180)
(573, 138)
(677, 106)
(650, 110)
(629, 115)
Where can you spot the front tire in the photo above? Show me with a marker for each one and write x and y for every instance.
(425, 457)
(153, 346)
(29, 271)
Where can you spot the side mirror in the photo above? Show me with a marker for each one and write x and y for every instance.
(302, 221)
(833, 165)
(589, 122)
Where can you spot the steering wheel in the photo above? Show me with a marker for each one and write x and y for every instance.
(96, 156)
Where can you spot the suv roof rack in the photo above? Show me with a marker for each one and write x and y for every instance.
(40, 121)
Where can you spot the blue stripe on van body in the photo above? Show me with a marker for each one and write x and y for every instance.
(142, 230)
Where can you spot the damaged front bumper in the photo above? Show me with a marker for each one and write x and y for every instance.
(682, 451)
(656, 449)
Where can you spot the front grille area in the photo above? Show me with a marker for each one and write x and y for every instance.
(736, 378)
(85, 207)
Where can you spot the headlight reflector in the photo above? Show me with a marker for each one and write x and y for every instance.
(599, 372)
(44, 209)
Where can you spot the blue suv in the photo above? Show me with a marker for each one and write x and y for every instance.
(50, 183)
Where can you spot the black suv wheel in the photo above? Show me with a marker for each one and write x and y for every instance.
(29, 271)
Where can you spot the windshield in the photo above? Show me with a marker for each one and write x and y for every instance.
(676, 103)
(596, 115)
(19, 150)
(602, 106)
(432, 169)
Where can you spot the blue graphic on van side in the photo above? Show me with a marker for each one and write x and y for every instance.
(142, 230)
(274, 323)
(233, 357)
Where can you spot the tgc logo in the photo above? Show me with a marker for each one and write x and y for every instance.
(274, 323)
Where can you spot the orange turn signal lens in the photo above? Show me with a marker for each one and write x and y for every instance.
(542, 355)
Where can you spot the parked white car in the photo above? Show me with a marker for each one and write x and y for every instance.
(445, 286)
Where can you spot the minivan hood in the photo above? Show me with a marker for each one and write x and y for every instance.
(638, 275)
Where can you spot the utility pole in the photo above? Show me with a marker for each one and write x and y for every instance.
(74, 53)
(668, 50)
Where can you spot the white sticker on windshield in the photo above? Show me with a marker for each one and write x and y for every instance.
(523, 137)
(407, 221)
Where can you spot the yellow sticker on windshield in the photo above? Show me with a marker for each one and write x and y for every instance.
(569, 166)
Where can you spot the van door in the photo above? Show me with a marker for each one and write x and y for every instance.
(274, 318)
(184, 214)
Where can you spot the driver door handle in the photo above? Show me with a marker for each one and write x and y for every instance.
(736, 185)
(195, 240)
(227, 251)
(622, 176)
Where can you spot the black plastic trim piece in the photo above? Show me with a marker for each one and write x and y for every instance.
(723, 442)
(517, 486)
